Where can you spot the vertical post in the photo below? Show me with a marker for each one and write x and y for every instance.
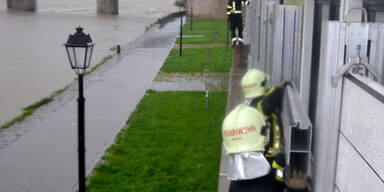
(227, 33)
(181, 33)
(81, 135)
(118, 49)
(206, 98)
(191, 14)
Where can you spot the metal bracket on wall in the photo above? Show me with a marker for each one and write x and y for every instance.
(357, 9)
(356, 63)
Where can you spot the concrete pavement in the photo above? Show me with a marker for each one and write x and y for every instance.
(235, 97)
(41, 155)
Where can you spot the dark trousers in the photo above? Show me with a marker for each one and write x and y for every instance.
(254, 185)
(236, 23)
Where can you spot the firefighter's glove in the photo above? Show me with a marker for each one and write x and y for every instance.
(284, 83)
(295, 179)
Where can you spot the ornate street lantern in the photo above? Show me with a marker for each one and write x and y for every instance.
(79, 49)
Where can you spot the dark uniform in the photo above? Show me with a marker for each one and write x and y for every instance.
(252, 185)
(270, 105)
(234, 11)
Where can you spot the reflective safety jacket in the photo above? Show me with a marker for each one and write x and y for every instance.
(236, 6)
(269, 105)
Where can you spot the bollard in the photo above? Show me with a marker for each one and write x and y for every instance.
(118, 49)
(206, 98)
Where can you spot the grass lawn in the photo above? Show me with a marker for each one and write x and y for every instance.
(214, 31)
(216, 59)
(170, 143)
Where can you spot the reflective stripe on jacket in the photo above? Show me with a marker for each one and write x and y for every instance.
(236, 6)
(278, 168)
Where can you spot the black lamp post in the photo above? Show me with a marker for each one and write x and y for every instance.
(181, 32)
(191, 14)
(79, 49)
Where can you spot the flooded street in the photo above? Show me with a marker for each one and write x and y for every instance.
(32, 59)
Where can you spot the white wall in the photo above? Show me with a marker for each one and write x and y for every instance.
(360, 165)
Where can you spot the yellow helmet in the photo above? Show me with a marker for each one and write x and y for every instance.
(242, 130)
(254, 83)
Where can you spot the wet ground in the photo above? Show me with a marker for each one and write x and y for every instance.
(32, 58)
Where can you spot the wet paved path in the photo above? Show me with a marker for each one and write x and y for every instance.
(44, 157)
(235, 97)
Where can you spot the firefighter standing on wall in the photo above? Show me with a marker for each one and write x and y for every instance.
(268, 102)
(234, 12)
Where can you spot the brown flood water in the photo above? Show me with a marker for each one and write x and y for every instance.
(33, 63)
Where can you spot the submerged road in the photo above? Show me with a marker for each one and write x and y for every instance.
(44, 158)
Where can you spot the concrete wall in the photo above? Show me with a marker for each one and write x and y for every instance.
(25, 5)
(360, 165)
(208, 8)
(108, 6)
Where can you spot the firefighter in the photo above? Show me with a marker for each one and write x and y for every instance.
(244, 139)
(255, 87)
(234, 14)
(268, 102)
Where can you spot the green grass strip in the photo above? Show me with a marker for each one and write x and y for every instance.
(27, 111)
(105, 59)
(216, 59)
(170, 143)
(214, 31)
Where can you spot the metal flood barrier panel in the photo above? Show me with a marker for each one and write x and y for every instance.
(253, 26)
(346, 48)
(360, 162)
(286, 61)
(376, 47)
(275, 35)
(261, 32)
(297, 131)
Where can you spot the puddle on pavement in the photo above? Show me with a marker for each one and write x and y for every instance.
(190, 82)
